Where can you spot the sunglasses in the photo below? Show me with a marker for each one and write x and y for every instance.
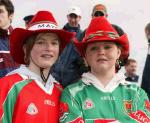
(98, 13)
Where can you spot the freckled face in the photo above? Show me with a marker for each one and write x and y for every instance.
(102, 56)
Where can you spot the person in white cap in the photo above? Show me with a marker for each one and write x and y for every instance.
(74, 16)
(67, 68)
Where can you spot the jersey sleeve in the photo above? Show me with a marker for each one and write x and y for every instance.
(7, 97)
(144, 103)
(5, 107)
(70, 110)
(142, 112)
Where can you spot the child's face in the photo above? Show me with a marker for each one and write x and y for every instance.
(102, 56)
(45, 50)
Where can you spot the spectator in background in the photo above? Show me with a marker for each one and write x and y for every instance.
(27, 19)
(131, 69)
(73, 17)
(100, 10)
(67, 68)
(146, 73)
(7, 64)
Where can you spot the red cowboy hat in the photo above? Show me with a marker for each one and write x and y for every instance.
(43, 21)
(101, 30)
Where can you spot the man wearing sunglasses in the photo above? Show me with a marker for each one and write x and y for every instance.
(100, 10)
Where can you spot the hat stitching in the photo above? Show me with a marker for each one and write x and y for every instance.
(102, 33)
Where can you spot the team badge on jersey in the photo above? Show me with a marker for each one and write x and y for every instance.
(32, 109)
(128, 105)
(147, 105)
(88, 104)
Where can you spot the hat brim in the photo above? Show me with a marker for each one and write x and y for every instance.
(122, 40)
(19, 35)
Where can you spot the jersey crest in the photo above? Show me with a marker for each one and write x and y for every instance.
(88, 104)
(128, 105)
(32, 109)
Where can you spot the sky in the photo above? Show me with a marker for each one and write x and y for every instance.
(131, 15)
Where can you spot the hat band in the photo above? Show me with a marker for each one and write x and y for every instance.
(43, 26)
(102, 33)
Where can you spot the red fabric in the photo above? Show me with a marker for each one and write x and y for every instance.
(103, 121)
(7, 61)
(101, 30)
(44, 105)
(147, 105)
(63, 108)
(47, 105)
(78, 120)
(140, 116)
(6, 84)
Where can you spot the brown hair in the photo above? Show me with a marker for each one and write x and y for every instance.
(8, 5)
(97, 5)
(28, 47)
(130, 61)
(147, 28)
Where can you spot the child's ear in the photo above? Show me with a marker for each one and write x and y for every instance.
(11, 17)
(24, 49)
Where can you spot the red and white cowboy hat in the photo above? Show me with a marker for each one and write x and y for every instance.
(43, 21)
(101, 30)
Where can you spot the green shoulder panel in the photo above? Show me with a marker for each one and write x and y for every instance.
(8, 105)
(76, 87)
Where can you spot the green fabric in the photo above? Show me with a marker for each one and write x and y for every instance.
(90, 103)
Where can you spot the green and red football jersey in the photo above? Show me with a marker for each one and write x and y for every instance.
(84, 103)
(26, 101)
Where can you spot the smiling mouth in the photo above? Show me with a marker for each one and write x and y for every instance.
(101, 60)
(46, 56)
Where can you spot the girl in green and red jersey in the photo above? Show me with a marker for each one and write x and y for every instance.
(102, 95)
(30, 94)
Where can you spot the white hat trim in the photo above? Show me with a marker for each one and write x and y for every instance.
(43, 26)
(75, 10)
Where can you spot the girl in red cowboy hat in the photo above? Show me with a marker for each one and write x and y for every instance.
(102, 95)
(30, 94)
